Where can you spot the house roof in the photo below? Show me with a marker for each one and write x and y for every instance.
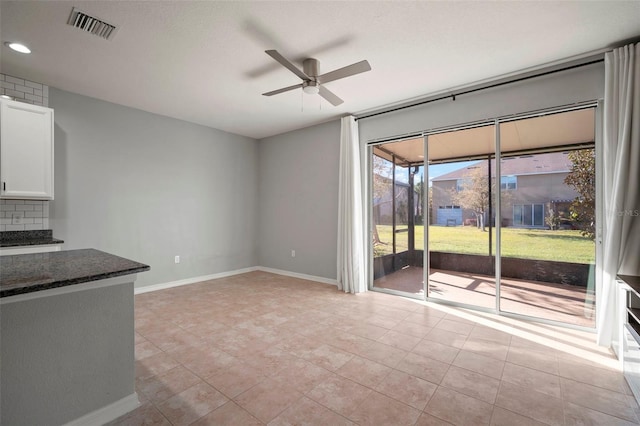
(556, 162)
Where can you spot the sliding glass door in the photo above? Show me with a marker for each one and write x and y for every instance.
(547, 209)
(505, 211)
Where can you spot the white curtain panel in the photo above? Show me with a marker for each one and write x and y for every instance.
(351, 270)
(621, 181)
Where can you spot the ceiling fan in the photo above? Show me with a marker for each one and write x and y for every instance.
(312, 81)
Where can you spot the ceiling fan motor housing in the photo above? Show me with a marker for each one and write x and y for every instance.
(311, 67)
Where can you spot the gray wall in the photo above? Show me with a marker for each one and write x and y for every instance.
(298, 193)
(76, 358)
(149, 187)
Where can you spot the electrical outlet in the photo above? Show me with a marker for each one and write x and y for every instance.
(177, 259)
(293, 253)
(16, 218)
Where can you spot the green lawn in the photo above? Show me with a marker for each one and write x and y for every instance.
(564, 246)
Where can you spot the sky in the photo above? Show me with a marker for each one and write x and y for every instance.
(435, 170)
(442, 169)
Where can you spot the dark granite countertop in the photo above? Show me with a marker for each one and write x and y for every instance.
(26, 273)
(27, 238)
(632, 281)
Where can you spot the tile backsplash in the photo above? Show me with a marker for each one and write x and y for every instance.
(23, 215)
(24, 90)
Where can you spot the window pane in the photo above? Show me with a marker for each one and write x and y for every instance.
(517, 214)
(526, 211)
(508, 182)
(538, 215)
(546, 262)
(459, 243)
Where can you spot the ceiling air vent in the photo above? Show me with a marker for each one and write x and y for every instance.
(91, 24)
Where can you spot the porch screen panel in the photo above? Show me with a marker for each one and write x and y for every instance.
(397, 211)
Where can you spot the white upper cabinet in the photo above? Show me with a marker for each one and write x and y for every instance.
(26, 151)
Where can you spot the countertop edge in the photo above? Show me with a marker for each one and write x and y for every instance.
(33, 237)
(36, 272)
(30, 243)
(70, 289)
(71, 282)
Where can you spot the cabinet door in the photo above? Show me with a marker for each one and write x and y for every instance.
(26, 151)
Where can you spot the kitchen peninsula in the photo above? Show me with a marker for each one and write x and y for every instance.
(67, 337)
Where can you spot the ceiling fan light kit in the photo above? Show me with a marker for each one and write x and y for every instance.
(311, 87)
(312, 80)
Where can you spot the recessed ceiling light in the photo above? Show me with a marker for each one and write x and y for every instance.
(18, 47)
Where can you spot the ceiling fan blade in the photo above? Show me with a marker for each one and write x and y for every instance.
(330, 96)
(284, 89)
(349, 70)
(287, 64)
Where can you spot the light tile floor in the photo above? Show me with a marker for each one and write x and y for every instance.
(259, 348)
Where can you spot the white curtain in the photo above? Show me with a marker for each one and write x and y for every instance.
(621, 181)
(351, 269)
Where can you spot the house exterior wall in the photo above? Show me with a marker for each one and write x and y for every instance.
(531, 189)
(535, 189)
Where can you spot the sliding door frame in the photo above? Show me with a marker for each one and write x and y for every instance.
(498, 222)
(426, 259)
(596, 105)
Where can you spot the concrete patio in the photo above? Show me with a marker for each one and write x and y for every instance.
(564, 303)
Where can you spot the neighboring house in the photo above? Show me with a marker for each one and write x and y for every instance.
(532, 185)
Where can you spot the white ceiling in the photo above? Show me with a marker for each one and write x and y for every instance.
(204, 62)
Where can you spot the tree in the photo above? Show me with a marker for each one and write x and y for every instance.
(418, 200)
(582, 178)
(430, 195)
(553, 219)
(473, 193)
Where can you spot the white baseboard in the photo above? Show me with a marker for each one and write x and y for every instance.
(297, 275)
(193, 280)
(110, 412)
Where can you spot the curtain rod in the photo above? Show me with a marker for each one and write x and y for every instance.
(466, 92)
